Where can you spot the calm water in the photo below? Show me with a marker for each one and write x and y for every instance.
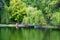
(28, 34)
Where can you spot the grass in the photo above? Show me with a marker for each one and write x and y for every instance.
(28, 34)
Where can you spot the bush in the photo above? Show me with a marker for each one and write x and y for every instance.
(17, 10)
(34, 16)
(55, 19)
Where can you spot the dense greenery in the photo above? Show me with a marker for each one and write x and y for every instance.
(17, 10)
(35, 11)
(56, 18)
(48, 8)
(34, 16)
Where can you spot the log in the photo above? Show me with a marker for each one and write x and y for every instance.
(14, 25)
(29, 25)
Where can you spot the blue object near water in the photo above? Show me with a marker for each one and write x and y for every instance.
(36, 26)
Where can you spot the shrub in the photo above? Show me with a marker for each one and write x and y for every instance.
(17, 10)
(34, 16)
(55, 19)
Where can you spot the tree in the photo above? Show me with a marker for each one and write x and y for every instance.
(17, 10)
(34, 16)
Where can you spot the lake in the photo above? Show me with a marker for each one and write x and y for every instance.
(28, 34)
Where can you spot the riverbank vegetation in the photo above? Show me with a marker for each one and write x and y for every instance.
(43, 12)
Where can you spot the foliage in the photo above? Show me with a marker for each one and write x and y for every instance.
(48, 8)
(17, 10)
(7, 2)
(34, 16)
(56, 19)
(4, 14)
(34, 11)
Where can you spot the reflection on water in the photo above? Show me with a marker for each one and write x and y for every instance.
(28, 34)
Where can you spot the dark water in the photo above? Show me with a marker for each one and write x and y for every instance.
(28, 34)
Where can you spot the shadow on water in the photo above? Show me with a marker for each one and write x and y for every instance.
(28, 34)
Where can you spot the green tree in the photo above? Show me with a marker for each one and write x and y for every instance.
(17, 10)
(48, 8)
(55, 19)
(34, 16)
